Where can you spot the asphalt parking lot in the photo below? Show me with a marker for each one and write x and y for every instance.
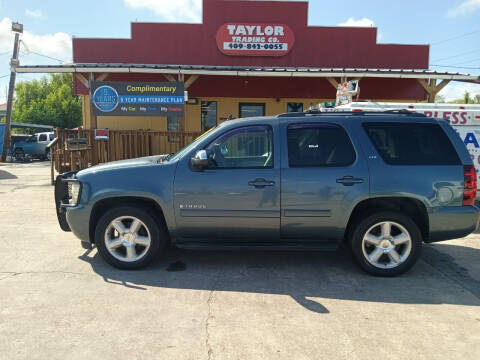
(59, 301)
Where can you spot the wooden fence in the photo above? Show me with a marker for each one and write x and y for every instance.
(71, 153)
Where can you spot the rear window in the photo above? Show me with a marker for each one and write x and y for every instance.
(319, 145)
(412, 144)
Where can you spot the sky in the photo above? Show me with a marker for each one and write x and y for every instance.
(452, 28)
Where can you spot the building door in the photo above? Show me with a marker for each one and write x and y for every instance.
(251, 109)
(209, 115)
(238, 195)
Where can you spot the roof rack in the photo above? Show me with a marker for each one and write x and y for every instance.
(356, 113)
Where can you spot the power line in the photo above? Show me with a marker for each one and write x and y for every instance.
(39, 54)
(455, 37)
(4, 76)
(467, 62)
(457, 67)
(46, 56)
(6, 52)
(461, 54)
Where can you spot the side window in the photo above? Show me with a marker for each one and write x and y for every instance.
(319, 145)
(242, 148)
(51, 137)
(42, 137)
(412, 144)
(32, 138)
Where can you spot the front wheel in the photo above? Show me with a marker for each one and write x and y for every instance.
(129, 237)
(386, 243)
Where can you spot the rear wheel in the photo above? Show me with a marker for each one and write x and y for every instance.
(129, 237)
(386, 243)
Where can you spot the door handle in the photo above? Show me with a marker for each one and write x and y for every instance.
(261, 183)
(349, 181)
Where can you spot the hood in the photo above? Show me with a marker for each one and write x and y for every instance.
(123, 164)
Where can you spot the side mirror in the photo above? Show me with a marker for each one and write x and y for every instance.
(200, 160)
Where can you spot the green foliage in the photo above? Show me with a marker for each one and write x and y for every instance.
(48, 101)
(467, 99)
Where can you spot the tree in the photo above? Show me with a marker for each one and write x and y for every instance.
(467, 99)
(48, 101)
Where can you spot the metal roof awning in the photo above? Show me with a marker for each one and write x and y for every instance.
(247, 71)
(27, 125)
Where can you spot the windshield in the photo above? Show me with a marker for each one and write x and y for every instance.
(186, 149)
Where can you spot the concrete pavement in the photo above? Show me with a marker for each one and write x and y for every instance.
(59, 301)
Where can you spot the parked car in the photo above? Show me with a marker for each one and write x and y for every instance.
(35, 146)
(381, 183)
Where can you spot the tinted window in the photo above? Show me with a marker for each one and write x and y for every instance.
(251, 109)
(42, 137)
(412, 144)
(51, 136)
(245, 147)
(294, 107)
(319, 145)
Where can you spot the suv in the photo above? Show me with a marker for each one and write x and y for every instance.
(381, 183)
(35, 146)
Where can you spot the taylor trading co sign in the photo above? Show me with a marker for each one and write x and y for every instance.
(250, 39)
(138, 99)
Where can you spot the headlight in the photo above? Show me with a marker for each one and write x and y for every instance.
(74, 192)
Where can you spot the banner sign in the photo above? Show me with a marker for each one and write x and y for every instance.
(102, 134)
(249, 39)
(138, 99)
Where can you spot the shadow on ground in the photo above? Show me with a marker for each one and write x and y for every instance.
(301, 275)
(5, 175)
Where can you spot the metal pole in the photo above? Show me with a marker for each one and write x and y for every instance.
(11, 88)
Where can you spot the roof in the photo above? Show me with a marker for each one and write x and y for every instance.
(27, 125)
(246, 71)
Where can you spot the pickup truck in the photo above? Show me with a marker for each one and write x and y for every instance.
(35, 146)
(381, 183)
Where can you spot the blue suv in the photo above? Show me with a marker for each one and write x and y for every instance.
(381, 183)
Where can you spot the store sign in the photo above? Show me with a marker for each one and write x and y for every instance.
(138, 99)
(249, 39)
(102, 134)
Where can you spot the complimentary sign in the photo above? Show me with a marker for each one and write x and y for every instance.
(138, 99)
(250, 39)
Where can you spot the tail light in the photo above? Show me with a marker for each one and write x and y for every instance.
(470, 187)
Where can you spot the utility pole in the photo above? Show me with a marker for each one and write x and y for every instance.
(17, 29)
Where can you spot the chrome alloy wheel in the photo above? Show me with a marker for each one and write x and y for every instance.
(386, 245)
(127, 238)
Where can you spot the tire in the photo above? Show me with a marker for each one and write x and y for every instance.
(118, 249)
(19, 155)
(47, 156)
(380, 254)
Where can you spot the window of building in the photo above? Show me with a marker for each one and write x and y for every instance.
(412, 144)
(294, 107)
(251, 109)
(319, 145)
(209, 115)
(242, 148)
(173, 124)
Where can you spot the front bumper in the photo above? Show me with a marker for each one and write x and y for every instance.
(61, 198)
(452, 222)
